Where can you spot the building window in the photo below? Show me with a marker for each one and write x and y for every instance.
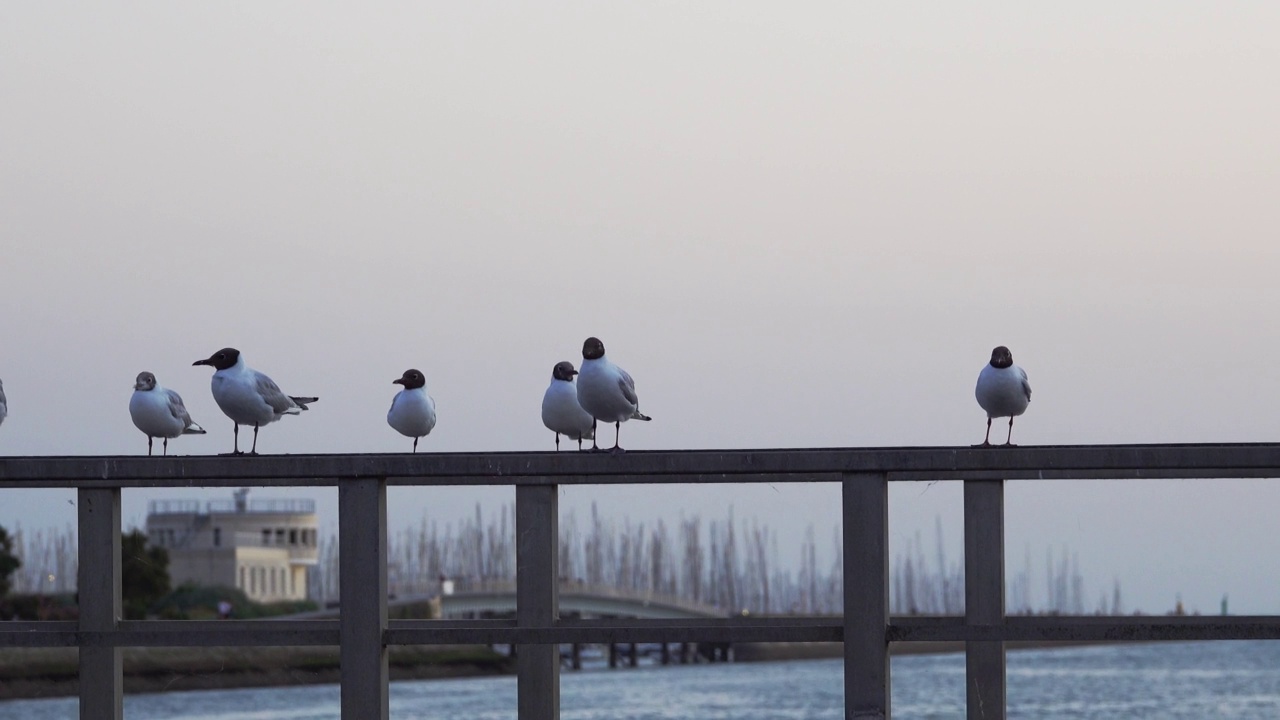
(293, 536)
(279, 536)
(241, 584)
(266, 536)
(217, 540)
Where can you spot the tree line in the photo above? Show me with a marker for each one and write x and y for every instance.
(731, 563)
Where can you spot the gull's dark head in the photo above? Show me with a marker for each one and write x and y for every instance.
(221, 360)
(563, 371)
(592, 349)
(411, 379)
(146, 381)
(1001, 357)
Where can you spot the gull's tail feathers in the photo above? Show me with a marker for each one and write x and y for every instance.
(193, 429)
(302, 402)
(637, 415)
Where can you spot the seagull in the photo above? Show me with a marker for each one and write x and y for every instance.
(247, 396)
(561, 412)
(159, 412)
(413, 412)
(606, 391)
(1003, 390)
(4, 404)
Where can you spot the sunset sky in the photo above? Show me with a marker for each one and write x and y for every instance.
(795, 225)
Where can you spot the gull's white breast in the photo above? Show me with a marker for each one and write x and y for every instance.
(412, 413)
(236, 392)
(561, 412)
(600, 391)
(151, 414)
(1003, 392)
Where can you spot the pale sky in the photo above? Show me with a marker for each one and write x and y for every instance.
(794, 224)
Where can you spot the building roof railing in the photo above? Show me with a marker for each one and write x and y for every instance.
(279, 506)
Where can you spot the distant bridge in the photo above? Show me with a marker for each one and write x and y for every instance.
(594, 601)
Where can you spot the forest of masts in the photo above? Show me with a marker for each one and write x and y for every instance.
(730, 563)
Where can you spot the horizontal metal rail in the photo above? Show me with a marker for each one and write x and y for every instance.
(364, 632)
(1075, 462)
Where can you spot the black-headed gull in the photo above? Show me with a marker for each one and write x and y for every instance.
(561, 412)
(413, 412)
(606, 391)
(1003, 390)
(247, 396)
(4, 404)
(158, 412)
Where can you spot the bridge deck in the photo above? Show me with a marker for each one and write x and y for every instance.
(363, 630)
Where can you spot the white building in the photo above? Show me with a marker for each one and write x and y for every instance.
(262, 547)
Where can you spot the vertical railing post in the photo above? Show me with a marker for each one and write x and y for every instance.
(362, 571)
(866, 596)
(538, 598)
(98, 590)
(984, 596)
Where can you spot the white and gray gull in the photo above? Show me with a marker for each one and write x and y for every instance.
(561, 411)
(606, 391)
(247, 396)
(1003, 390)
(4, 404)
(413, 411)
(158, 412)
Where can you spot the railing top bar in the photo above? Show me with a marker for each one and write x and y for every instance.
(667, 466)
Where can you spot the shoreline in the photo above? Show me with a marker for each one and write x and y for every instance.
(40, 673)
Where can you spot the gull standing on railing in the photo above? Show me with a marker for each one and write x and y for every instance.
(159, 412)
(606, 391)
(413, 411)
(247, 396)
(1003, 390)
(561, 411)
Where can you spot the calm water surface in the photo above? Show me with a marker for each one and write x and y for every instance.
(1167, 681)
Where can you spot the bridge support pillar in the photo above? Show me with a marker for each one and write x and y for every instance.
(538, 598)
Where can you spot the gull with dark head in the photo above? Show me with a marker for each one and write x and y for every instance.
(247, 396)
(606, 391)
(561, 412)
(413, 411)
(158, 412)
(1003, 390)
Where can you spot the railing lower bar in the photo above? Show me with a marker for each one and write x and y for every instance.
(98, 581)
(984, 596)
(866, 596)
(537, 600)
(362, 620)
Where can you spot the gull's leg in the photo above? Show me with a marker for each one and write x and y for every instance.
(1009, 440)
(148, 446)
(987, 440)
(254, 450)
(557, 442)
(594, 446)
(235, 433)
(415, 445)
(166, 447)
(579, 443)
(617, 433)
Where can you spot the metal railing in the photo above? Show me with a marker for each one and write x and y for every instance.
(364, 633)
